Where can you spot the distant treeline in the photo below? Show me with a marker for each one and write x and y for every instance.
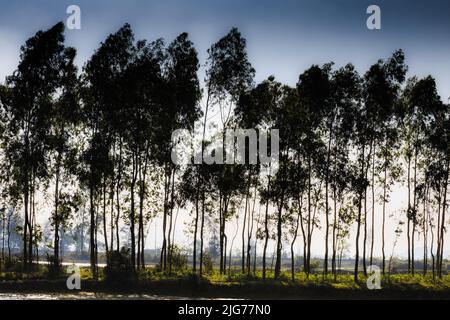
(100, 138)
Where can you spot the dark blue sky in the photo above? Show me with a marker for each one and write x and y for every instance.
(284, 36)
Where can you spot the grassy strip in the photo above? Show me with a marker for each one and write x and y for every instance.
(238, 286)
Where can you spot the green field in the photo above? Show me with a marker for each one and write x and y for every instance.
(233, 285)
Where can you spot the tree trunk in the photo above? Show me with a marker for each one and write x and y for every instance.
(194, 253)
(244, 223)
(444, 205)
(358, 228)
(111, 198)
(383, 243)
(372, 235)
(167, 180)
(202, 227)
(92, 232)
(333, 259)
(223, 237)
(327, 221)
(119, 177)
(220, 232)
(250, 231)
(293, 243)
(266, 231)
(279, 236)
(105, 233)
(308, 254)
(414, 210)
(169, 211)
(425, 231)
(25, 228)
(133, 213)
(408, 214)
(366, 175)
(56, 218)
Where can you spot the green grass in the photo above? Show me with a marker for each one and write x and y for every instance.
(238, 285)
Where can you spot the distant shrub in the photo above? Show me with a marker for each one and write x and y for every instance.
(13, 265)
(119, 269)
(54, 267)
(157, 268)
(208, 265)
(179, 259)
(314, 265)
(192, 278)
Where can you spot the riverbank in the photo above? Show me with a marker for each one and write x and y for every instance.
(83, 296)
(184, 288)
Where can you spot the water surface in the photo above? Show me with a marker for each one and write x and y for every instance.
(86, 296)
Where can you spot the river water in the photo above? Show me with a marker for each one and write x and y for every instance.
(86, 296)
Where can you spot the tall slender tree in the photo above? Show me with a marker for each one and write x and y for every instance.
(228, 75)
(33, 87)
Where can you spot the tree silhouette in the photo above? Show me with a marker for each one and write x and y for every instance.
(181, 111)
(228, 75)
(33, 87)
(98, 144)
